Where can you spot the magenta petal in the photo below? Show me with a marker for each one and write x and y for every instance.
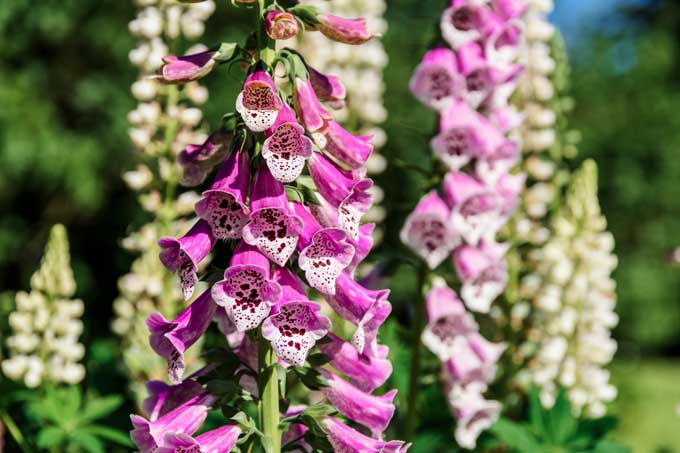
(324, 259)
(436, 81)
(345, 439)
(351, 150)
(362, 245)
(220, 440)
(327, 87)
(314, 117)
(259, 103)
(170, 339)
(292, 288)
(347, 31)
(199, 160)
(187, 68)
(163, 397)
(286, 148)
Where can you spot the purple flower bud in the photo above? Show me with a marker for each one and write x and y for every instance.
(366, 372)
(184, 254)
(286, 148)
(247, 292)
(258, 102)
(280, 25)
(427, 231)
(314, 117)
(170, 339)
(351, 150)
(199, 160)
(347, 31)
(220, 440)
(187, 68)
(374, 412)
(328, 88)
(223, 206)
(483, 273)
(344, 438)
(272, 228)
(163, 398)
(436, 81)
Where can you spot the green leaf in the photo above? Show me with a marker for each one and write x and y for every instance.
(318, 360)
(311, 378)
(50, 436)
(105, 432)
(71, 399)
(515, 436)
(607, 446)
(307, 14)
(319, 410)
(562, 423)
(226, 52)
(537, 416)
(89, 442)
(97, 408)
(294, 194)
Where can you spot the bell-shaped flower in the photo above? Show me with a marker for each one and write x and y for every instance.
(436, 81)
(341, 189)
(198, 161)
(483, 273)
(496, 165)
(324, 252)
(447, 320)
(294, 330)
(347, 31)
(186, 418)
(220, 440)
(170, 339)
(163, 398)
(427, 230)
(473, 413)
(502, 46)
(187, 68)
(367, 309)
(374, 412)
(349, 149)
(464, 22)
(247, 292)
(344, 438)
(366, 372)
(475, 208)
(287, 147)
(327, 88)
(183, 255)
(223, 206)
(280, 25)
(272, 228)
(473, 359)
(314, 117)
(362, 246)
(509, 188)
(258, 103)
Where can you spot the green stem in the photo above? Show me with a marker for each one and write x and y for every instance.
(14, 430)
(269, 391)
(411, 423)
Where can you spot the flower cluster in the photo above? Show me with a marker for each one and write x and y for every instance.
(163, 123)
(361, 70)
(287, 200)
(46, 325)
(468, 82)
(574, 297)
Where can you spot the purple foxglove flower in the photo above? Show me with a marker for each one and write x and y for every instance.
(328, 88)
(447, 320)
(170, 339)
(292, 288)
(473, 359)
(294, 330)
(349, 149)
(503, 45)
(258, 103)
(505, 118)
(324, 255)
(492, 168)
(483, 273)
(163, 398)
(220, 440)
(228, 328)
(223, 206)
(247, 292)
(374, 412)
(489, 353)
(184, 254)
(366, 372)
(197, 161)
(427, 231)
(365, 308)
(509, 187)
(280, 25)
(187, 68)
(347, 31)
(479, 77)
(272, 228)
(475, 209)
(464, 22)
(509, 9)
(362, 246)
(296, 431)
(343, 438)
(339, 187)
(186, 419)
(314, 117)
(286, 148)
(436, 81)
(473, 413)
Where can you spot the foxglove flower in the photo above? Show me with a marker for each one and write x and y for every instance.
(464, 22)
(351, 150)
(314, 117)
(324, 254)
(258, 103)
(473, 413)
(247, 292)
(220, 440)
(495, 166)
(483, 272)
(286, 148)
(344, 438)
(273, 228)
(223, 206)
(163, 398)
(436, 81)
(347, 31)
(362, 246)
(427, 230)
(187, 68)
(366, 372)
(280, 25)
(170, 339)
(327, 88)
(374, 412)
(198, 161)
(184, 254)
(473, 359)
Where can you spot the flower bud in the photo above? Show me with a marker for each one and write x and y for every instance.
(280, 25)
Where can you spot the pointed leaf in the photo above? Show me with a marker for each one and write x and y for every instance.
(515, 436)
(562, 423)
(50, 436)
(89, 442)
(97, 408)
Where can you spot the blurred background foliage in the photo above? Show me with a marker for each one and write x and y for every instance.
(64, 97)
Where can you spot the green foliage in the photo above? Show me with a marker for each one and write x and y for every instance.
(555, 430)
(68, 421)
